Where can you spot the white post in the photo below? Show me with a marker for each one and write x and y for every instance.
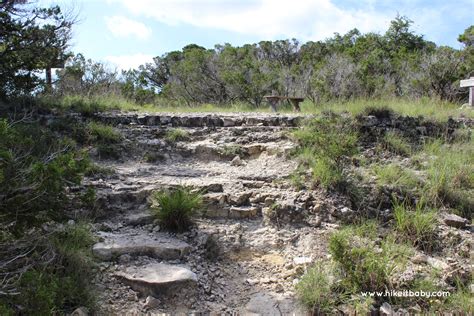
(471, 96)
(469, 83)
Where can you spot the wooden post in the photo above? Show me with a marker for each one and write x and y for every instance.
(469, 83)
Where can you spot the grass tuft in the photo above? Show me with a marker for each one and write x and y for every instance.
(174, 208)
(176, 135)
(416, 225)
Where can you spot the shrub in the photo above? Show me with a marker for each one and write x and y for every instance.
(417, 225)
(324, 144)
(176, 134)
(61, 282)
(315, 289)
(36, 167)
(364, 265)
(174, 208)
(396, 144)
(365, 268)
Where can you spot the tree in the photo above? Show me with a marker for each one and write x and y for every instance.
(31, 39)
(467, 38)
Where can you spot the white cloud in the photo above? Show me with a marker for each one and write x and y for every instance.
(122, 27)
(126, 62)
(303, 19)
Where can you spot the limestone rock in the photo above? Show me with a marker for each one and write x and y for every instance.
(240, 199)
(157, 245)
(152, 302)
(159, 279)
(454, 220)
(243, 212)
(80, 311)
(237, 161)
(136, 219)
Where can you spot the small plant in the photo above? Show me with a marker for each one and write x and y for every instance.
(396, 144)
(416, 225)
(315, 289)
(174, 208)
(176, 135)
(231, 150)
(103, 134)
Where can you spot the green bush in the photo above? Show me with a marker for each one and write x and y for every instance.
(416, 225)
(36, 167)
(176, 135)
(324, 143)
(315, 290)
(174, 208)
(365, 269)
(62, 284)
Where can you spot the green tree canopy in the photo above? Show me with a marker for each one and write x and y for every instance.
(31, 39)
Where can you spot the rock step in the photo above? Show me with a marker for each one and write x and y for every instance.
(198, 120)
(156, 245)
(158, 279)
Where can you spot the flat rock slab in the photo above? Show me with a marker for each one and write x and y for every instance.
(159, 279)
(155, 245)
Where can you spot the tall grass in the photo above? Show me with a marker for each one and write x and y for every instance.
(450, 176)
(324, 144)
(428, 107)
(417, 225)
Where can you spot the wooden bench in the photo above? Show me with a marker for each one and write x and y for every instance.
(469, 83)
(274, 99)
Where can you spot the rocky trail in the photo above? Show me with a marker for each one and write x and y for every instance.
(251, 241)
(257, 233)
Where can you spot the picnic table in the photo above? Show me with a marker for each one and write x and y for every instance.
(274, 99)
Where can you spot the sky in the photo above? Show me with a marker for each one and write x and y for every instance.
(127, 33)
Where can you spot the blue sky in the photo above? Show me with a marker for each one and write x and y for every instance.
(127, 33)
